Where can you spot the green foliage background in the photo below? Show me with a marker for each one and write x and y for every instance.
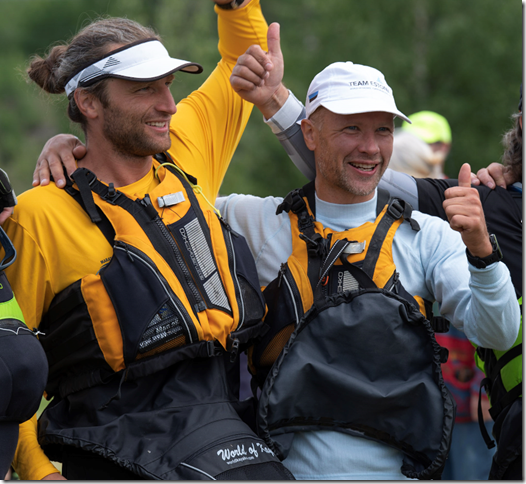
(461, 58)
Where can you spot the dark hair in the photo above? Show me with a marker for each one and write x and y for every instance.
(86, 47)
(512, 141)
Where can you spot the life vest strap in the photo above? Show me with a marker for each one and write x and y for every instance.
(506, 400)
(504, 360)
(395, 210)
(70, 346)
(103, 223)
(57, 312)
(487, 439)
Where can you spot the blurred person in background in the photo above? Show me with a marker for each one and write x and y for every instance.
(413, 156)
(433, 129)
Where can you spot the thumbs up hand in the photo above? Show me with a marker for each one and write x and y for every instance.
(464, 212)
(258, 74)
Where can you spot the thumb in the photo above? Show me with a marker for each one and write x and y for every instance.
(273, 40)
(464, 176)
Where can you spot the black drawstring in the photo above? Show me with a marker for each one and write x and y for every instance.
(117, 396)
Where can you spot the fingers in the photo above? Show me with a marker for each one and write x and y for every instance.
(464, 176)
(41, 173)
(493, 176)
(498, 173)
(58, 153)
(250, 71)
(485, 178)
(273, 39)
(474, 180)
(5, 214)
(79, 152)
(465, 215)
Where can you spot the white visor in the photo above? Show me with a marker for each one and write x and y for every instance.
(145, 61)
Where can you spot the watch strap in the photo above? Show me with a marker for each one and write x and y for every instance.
(483, 262)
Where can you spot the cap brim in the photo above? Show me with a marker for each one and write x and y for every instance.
(359, 106)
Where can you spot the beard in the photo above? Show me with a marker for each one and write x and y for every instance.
(127, 134)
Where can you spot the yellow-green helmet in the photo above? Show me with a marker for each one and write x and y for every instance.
(429, 126)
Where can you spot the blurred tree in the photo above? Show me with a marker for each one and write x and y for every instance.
(462, 59)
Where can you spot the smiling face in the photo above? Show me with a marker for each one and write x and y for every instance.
(136, 119)
(351, 152)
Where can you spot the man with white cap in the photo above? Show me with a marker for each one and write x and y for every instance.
(129, 275)
(349, 372)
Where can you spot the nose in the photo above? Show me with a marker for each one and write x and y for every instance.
(369, 144)
(166, 103)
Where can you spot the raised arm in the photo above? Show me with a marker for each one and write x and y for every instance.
(209, 123)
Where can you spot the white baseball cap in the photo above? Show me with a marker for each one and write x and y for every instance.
(348, 88)
(145, 60)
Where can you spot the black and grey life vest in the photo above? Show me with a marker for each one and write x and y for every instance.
(349, 348)
(178, 286)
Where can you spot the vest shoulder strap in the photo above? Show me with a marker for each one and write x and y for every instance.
(85, 200)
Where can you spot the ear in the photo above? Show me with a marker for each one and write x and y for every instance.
(310, 133)
(88, 104)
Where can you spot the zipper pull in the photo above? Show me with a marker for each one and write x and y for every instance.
(234, 350)
(394, 287)
(281, 273)
(122, 245)
(227, 226)
(150, 209)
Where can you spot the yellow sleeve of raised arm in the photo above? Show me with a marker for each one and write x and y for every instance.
(209, 123)
(30, 462)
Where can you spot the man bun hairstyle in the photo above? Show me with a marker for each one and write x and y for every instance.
(92, 43)
(42, 71)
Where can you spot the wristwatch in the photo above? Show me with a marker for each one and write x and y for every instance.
(231, 5)
(482, 262)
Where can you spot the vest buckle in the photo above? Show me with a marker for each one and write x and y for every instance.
(395, 209)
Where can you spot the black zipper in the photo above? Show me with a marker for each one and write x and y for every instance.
(286, 277)
(394, 280)
(231, 251)
(136, 254)
(178, 265)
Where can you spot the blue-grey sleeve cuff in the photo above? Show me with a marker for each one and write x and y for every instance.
(286, 116)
